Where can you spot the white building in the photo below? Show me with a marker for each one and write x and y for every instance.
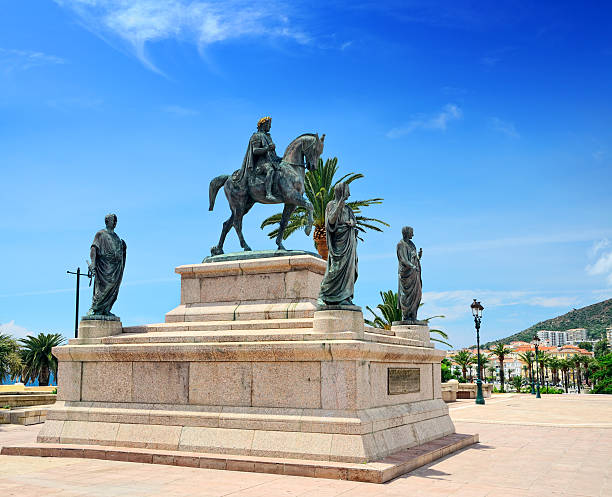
(609, 336)
(576, 335)
(553, 338)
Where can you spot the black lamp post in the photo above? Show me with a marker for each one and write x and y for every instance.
(477, 309)
(536, 342)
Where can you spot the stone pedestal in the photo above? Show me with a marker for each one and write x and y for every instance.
(419, 332)
(92, 329)
(244, 366)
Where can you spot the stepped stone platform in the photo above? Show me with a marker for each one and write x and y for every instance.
(246, 366)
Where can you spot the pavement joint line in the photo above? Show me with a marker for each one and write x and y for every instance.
(535, 423)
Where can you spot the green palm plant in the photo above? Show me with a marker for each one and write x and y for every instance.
(10, 361)
(528, 358)
(517, 382)
(485, 360)
(465, 359)
(501, 351)
(390, 312)
(38, 361)
(319, 187)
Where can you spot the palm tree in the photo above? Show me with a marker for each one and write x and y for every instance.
(576, 363)
(465, 359)
(491, 370)
(485, 359)
(553, 364)
(565, 365)
(500, 351)
(319, 189)
(587, 363)
(10, 361)
(528, 358)
(391, 312)
(38, 361)
(517, 382)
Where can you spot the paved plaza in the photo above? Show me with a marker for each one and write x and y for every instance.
(554, 446)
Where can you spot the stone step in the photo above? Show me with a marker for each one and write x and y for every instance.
(199, 336)
(375, 472)
(253, 324)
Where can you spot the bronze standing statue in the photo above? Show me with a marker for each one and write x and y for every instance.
(409, 276)
(106, 266)
(267, 179)
(338, 285)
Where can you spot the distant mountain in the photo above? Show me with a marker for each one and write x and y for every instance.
(595, 318)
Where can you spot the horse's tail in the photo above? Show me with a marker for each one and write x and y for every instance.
(214, 187)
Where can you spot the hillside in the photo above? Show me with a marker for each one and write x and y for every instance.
(595, 318)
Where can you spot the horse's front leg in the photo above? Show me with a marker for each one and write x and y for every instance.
(287, 211)
(302, 202)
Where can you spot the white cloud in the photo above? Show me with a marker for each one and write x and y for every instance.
(14, 330)
(455, 304)
(12, 59)
(603, 265)
(439, 121)
(504, 127)
(141, 22)
(177, 110)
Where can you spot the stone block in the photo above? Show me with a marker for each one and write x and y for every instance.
(190, 290)
(418, 332)
(95, 328)
(148, 436)
(334, 321)
(302, 285)
(50, 431)
(287, 384)
(220, 383)
(107, 381)
(84, 432)
(161, 382)
(339, 385)
(69, 380)
(216, 440)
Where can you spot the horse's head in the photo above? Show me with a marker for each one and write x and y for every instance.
(313, 151)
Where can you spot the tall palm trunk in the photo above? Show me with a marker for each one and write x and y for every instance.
(43, 377)
(501, 374)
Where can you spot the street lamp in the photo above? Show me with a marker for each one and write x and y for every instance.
(477, 309)
(536, 342)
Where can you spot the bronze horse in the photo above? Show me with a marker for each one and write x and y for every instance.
(288, 187)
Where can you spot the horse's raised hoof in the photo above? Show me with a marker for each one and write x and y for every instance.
(216, 250)
(308, 229)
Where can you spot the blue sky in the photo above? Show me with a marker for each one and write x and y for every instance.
(485, 125)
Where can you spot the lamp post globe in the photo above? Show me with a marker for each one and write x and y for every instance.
(477, 309)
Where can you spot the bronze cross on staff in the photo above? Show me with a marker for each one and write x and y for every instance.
(78, 279)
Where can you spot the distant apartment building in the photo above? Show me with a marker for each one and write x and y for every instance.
(553, 338)
(609, 336)
(576, 335)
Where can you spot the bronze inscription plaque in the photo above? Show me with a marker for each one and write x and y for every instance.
(403, 380)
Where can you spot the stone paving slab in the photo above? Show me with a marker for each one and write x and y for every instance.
(375, 472)
(510, 460)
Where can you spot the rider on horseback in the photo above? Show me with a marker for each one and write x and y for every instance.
(260, 158)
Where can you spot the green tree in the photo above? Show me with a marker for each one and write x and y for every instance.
(501, 351)
(447, 373)
(602, 375)
(38, 361)
(586, 346)
(390, 313)
(319, 189)
(465, 359)
(517, 382)
(528, 358)
(10, 361)
(601, 349)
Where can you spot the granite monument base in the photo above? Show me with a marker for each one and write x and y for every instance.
(246, 367)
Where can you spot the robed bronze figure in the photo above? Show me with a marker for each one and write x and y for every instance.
(338, 286)
(410, 285)
(106, 266)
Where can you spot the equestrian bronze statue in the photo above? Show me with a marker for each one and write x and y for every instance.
(266, 178)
